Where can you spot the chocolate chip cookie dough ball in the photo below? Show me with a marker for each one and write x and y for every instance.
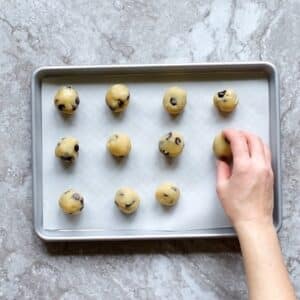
(67, 149)
(221, 147)
(127, 200)
(167, 194)
(119, 145)
(66, 100)
(71, 202)
(117, 97)
(171, 144)
(226, 100)
(174, 100)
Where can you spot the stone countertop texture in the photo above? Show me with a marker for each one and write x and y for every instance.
(35, 33)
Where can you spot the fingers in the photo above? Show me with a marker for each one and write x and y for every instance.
(238, 144)
(256, 147)
(244, 145)
(223, 171)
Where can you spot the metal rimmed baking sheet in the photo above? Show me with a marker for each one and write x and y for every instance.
(97, 175)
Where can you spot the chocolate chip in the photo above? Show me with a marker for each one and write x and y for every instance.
(121, 194)
(66, 158)
(76, 147)
(163, 151)
(116, 136)
(177, 141)
(77, 100)
(226, 140)
(81, 208)
(174, 188)
(166, 195)
(76, 196)
(173, 101)
(120, 103)
(169, 136)
(222, 94)
(55, 101)
(81, 201)
(128, 97)
(74, 107)
(116, 203)
(61, 106)
(69, 87)
(130, 204)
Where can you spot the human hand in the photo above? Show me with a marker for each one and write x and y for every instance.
(245, 189)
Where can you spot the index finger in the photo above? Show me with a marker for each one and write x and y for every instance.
(238, 144)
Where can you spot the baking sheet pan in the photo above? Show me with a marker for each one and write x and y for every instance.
(97, 175)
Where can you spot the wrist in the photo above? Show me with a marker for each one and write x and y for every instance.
(254, 227)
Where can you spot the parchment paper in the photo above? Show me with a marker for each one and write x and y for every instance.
(97, 175)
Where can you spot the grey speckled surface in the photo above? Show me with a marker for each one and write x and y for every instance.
(35, 33)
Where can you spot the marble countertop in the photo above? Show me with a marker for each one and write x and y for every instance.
(36, 33)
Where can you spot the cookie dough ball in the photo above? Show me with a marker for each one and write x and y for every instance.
(119, 145)
(127, 200)
(174, 100)
(67, 100)
(67, 149)
(226, 100)
(117, 97)
(171, 144)
(167, 194)
(221, 147)
(71, 202)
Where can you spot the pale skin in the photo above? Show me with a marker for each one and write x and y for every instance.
(245, 190)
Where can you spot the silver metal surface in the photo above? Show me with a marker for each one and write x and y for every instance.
(212, 71)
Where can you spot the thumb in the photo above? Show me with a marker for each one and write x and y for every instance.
(223, 171)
